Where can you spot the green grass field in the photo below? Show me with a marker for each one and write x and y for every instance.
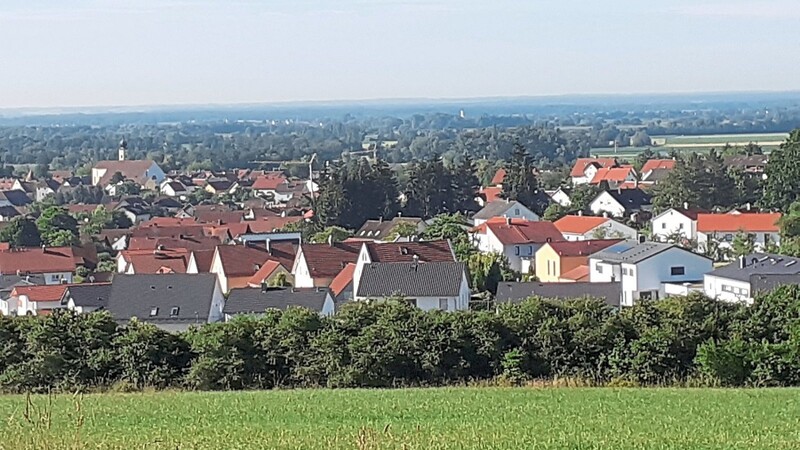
(468, 418)
(688, 144)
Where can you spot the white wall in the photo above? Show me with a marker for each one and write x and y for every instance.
(302, 275)
(219, 271)
(217, 304)
(727, 290)
(517, 211)
(652, 273)
(606, 203)
(672, 222)
(725, 239)
(57, 278)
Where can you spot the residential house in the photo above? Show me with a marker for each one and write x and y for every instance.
(153, 261)
(655, 170)
(505, 209)
(754, 165)
(561, 196)
(86, 298)
(621, 202)
(236, 265)
(172, 302)
(747, 276)
(582, 228)
(585, 169)
(722, 229)
(174, 189)
(615, 177)
(556, 258)
(429, 286)
(645, 269)
(675, 223)
(267, 185)
(610, 293)
(36, 300)
(342, 284)
(381, 230)
(219, 186)
(15, 197)
(55, 264)
(7, 213)
(517, 240)
(8, 305)
(254, 301)
(271, 272)
(317, 265)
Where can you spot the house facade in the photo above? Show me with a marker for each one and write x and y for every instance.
(583, 228)
(676, 223)
(429, 286)
(556, 258)
(722, 229)
(517, 240)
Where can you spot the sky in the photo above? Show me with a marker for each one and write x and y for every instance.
(58, 53)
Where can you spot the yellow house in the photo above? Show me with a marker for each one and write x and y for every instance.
(556, 258)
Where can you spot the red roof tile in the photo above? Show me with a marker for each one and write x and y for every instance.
(732, 223)
(268, 182)
(173, 243)
(654, 164)
(203, 259)
(579, 224)
(582, 248)
(37, 260)
(242, 260)
(580, 273)
(326, 261)
(50, 293)
(151, 262)
(491, 193)
(136, 170)
(429, 251)
(579, 169)
(341, 281)
(521, 231)
(499, 177)
(612, 174)
(266, 271)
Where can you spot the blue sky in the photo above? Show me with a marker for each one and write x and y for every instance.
(155, 52)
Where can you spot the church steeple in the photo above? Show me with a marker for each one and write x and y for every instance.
(123, 145)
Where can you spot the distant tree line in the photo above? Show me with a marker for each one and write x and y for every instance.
(393, 344)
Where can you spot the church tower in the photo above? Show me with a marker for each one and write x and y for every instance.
(123, 145)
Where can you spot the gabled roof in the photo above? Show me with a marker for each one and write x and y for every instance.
(378, 229)
(173, 243)
(732, 223)
(612, 174)
(49, 293)
(610, 293)
(37, 260)
(426, 251)
(269, 181)
(135, 170)
(267, 269)
(242, 260)
(258, 300)
(496, 209)
(758, 264)
(630, 199)
(219, 216)
(491, 193)
(436, 279)
(580, 273)
(142, 295)
(87, 295)
(515, 231)
(343, 280)
(156, 261)
(326, 261)
(499, 177)
(743, 161)
(631, 252)
(579, 169)
(582, 248)
(203, 259)
(16, 197)
(653, 164)
(579, 224)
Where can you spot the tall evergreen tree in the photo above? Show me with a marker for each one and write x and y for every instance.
(781, 187)
(521, 183)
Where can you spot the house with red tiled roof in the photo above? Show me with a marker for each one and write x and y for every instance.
(317, 265)
(236, 265)
(268, 184)
(557, 258)
(342, 285)
(518, 240)
(582, 228)
(489, 194)
(36, 300)
(676, 223)
(56, 264)
(268, 273)
(585, 169)
(763, 228)
(499, 178)
(614, 177)
(133, 262)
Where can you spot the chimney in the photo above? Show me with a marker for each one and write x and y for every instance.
(742, 262)
(685, 205)
(330, 240)
(580, 213)
(380, 219)
(508, 220)
(748, 206)
(264, 287)
(642, 239)
(619, 190)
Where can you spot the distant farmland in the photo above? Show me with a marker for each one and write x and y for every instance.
(664, 144)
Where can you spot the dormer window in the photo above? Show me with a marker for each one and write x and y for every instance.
(153, 311)
(174, 311)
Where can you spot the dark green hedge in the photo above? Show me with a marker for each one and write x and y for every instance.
(392, 344)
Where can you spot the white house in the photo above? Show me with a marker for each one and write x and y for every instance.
(676, 222)
(620, 202)
(585, 169)
(257, 300)
(741, 280)
(316, 265)
(142, 172)
(646, 269)
(505, 209)
(429, 286)
(723, 228)
(584, 228)
(517, 240)
(560, 196)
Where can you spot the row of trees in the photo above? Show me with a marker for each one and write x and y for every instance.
(391, 344)
(56, 227)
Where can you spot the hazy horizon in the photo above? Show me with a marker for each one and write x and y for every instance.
(181, 53)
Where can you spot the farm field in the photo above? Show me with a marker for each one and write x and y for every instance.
(463, 418)
(768, 141)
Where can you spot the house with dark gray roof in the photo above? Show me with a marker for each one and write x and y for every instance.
(170, 301)
(255, 301)
(749, 275)
(427, 285)
(504, 208)
(621, 202)
(648, 270)
(380, 230)
(610, 293)
(86, 298)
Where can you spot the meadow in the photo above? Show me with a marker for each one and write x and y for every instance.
(452, 418)
(665, 144)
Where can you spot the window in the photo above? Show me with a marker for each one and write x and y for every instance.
(516, 250)
(599, 268)
(516, 212)
(624, 271)
(663, 225)
(728, 237)
(174, 311)
(153, 311)
(677, 270)
(680, 227)
(443, 304)
(630, 272)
